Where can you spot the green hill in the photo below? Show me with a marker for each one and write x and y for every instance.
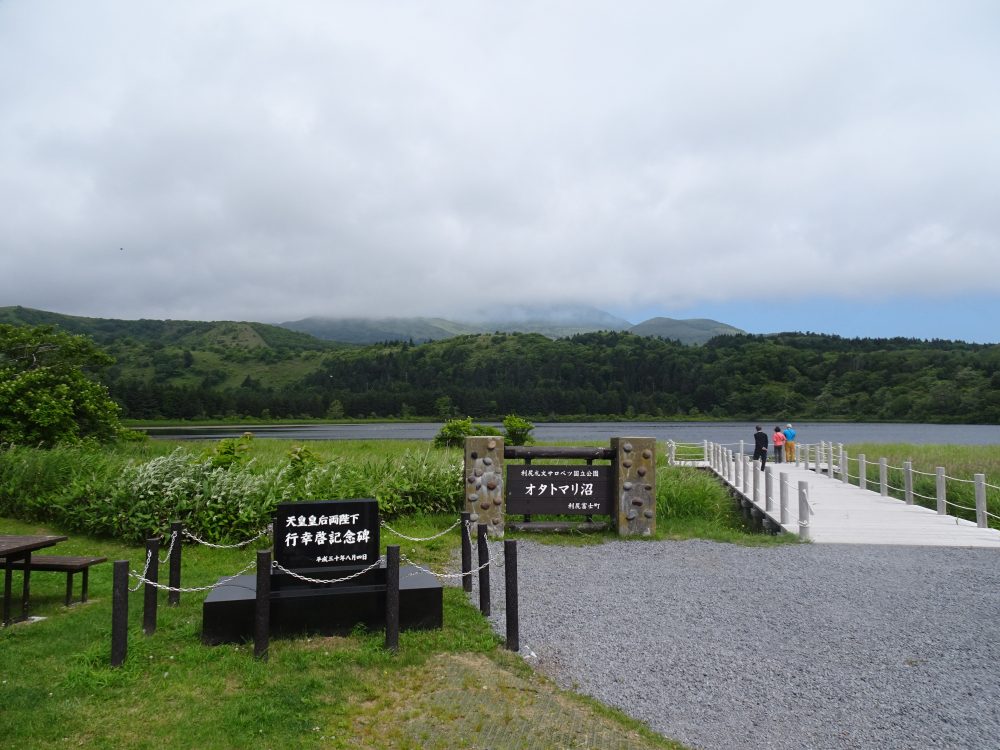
(375, 330)
(556, 321)
(186, 353)
(690, 331)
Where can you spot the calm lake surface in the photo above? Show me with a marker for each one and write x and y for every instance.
(681, 432)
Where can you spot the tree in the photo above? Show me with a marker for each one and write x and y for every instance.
(47, 394)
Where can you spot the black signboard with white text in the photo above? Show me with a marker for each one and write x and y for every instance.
(327, 534)
(557, 490)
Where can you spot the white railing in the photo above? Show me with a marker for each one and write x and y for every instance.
(855, 470)
(768, 497)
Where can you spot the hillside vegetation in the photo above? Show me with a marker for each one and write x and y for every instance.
(179, 370)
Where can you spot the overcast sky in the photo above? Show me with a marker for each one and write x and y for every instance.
(776, 165)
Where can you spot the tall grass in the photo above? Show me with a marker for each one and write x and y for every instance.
(224, 491)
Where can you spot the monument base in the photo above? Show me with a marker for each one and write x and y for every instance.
(228, 611)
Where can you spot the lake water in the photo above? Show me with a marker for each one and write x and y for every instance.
(681, 432)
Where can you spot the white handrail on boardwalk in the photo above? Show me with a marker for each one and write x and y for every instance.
(831, 509)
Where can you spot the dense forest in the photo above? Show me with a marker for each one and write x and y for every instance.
(610, 373)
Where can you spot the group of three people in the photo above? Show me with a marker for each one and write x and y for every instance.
(784, 445)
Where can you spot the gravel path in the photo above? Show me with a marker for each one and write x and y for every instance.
(798, 646)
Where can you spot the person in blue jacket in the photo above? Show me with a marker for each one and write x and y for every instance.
(789, 443)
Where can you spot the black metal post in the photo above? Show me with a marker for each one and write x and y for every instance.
(466, 553)
(510, 583)
(527, 516)
(262, 610)
(176, 532)
(150, 591)
(484, 571)
(119, 613)
(392, 598)
(590, 516)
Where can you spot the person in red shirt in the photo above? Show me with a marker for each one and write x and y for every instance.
(779, 445)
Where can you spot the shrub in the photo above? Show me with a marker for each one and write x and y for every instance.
(454, 432)
(517, 431)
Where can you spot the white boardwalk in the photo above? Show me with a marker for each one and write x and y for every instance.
(840, 513)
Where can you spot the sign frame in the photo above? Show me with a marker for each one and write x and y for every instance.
(339, 536)
(558, 489)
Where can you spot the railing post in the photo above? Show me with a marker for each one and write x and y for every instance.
(805, 458)
(738, 470)
(704, 448)
(783, 497)
(804, 511)
(174, 571)
(392, 598)
(510, 589)
(883, 477)
(672, 453)
(756, 486)
(466, 552)
(798, 455)
(908, 482)
(743, 449)
(942, 492)
(845, 466)
(150, 590)
(768, 488)
(262, 606)
(981, 518)
(747, 470)
(862, 472)
(119, 613)
(822, 457)
(484, 570)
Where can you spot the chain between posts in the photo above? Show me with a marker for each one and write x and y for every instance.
(141, 576)
(263, 533)
(419, 539)
(173, 541)
(281, 568)
(163, 587)
(407, 560)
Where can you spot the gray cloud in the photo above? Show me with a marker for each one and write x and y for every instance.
(271, 161)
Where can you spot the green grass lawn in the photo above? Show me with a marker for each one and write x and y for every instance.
(58, 690)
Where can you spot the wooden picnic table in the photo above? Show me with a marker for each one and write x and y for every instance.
(18, 548)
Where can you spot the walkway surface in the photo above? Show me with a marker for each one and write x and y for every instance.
(841, 513)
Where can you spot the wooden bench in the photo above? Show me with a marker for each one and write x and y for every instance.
(62, 564)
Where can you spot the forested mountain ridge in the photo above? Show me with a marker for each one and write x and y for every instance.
(741, 376)
(178, 369)
(553, 322)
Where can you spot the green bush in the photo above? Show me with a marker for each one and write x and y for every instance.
(454, 432)
(517, 431)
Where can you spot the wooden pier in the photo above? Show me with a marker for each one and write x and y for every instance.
(814, 502)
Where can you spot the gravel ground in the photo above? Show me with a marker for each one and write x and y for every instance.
(797, 646)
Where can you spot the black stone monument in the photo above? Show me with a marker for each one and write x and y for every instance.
(325, 540)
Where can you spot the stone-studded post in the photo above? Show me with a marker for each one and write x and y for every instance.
(634, 485)
(484, 482)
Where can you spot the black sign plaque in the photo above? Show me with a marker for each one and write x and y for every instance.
(327, 534)
(557, 490)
